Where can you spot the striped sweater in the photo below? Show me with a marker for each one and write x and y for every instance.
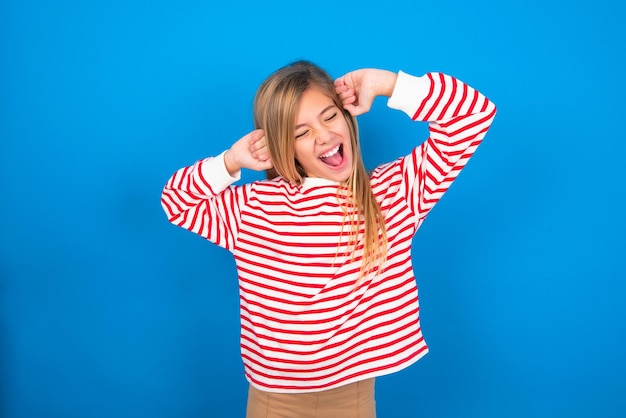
(305, 327)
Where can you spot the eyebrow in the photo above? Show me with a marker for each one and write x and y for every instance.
(326, 109)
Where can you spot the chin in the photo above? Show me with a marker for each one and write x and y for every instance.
(342, 177)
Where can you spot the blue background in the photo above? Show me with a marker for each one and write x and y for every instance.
(107, 310)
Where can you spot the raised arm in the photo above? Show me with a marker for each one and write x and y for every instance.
(200, 197)
(458, 116)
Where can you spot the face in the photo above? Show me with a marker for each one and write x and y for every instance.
(322, 138)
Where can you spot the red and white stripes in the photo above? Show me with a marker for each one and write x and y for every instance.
(304, 325)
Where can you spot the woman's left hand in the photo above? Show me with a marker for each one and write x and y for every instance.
(358, 89)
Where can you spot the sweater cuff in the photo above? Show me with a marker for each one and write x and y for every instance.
(408, 93)
(214, 170)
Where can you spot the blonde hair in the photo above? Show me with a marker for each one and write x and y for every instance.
(275, 106)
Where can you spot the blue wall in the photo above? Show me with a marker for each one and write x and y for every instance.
(106, 310)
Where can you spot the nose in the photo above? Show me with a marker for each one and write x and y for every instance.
(322, 135)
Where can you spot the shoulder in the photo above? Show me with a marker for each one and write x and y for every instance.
(276, 186)
(384, 172)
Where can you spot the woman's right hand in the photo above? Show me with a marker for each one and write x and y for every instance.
(250, 152)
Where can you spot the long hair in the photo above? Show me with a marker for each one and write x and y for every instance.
(275, 106)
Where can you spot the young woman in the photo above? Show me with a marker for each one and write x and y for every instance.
(322, 247)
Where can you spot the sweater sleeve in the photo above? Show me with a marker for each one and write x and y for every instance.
(458, 117)
(200, 198)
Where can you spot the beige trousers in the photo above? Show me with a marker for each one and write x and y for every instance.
(355, 400)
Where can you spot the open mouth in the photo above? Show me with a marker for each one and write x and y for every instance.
(334, 157)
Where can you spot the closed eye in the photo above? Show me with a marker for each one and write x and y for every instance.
(300, 135)
(331, 117)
